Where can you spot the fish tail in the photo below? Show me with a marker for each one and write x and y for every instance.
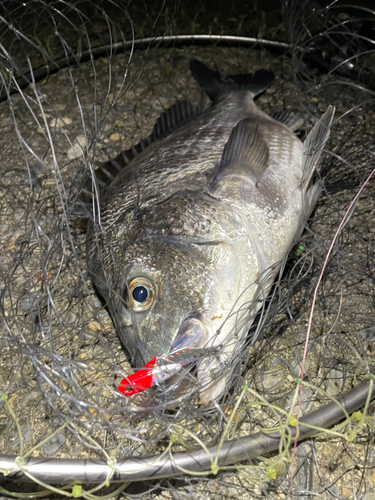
(215, 85)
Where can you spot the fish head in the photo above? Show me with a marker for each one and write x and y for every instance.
(161, 298)
(176, 272)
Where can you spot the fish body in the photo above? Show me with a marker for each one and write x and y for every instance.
(193, 230)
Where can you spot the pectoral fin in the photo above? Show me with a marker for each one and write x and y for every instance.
(246, 153)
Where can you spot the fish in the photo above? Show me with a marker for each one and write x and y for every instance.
(197, 219)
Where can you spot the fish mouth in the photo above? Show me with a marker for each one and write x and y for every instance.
(191, 333)
(139, 358)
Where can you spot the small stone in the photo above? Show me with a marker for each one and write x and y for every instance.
(26, 433)
(32, 398)
(333, 491)
(55, 421)
(228, 412)
(45, 328)
(94, 326)
(4, 427)
(372, 477)
(232, 492)
(127, 107)
(95, 303)
(59, 107)
(40, 276)
(63, 384)
(78, 147)
(88, 335)
(6, 122)
(368, 334)
(335, 382)
(92, 368)
(60, 122)
(326, 302)
(370, 496)
(69, 318)
(34, 301)
(272, 379)
(19, 213)
(305, 461)
(115, 137)
(54, 444)
(305, 402)
(50, 182)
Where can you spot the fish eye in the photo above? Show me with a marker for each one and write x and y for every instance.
(140, 294)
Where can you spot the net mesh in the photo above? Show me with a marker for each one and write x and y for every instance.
(82, 81)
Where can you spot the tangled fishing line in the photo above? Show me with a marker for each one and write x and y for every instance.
(83, 81)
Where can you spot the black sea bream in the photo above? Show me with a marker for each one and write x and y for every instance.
(196, 225)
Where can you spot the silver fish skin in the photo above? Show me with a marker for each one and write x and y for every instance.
(200, 221)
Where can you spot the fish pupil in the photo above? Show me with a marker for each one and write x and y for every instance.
(140, 294)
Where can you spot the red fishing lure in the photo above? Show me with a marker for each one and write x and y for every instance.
(158, 370)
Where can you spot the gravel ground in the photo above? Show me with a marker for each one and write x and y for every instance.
(58, 345)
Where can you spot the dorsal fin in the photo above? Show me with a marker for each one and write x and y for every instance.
(175, 117)
(292, 120)
(245, 153)
(172, 119)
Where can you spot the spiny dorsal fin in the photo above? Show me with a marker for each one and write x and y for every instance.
(216, 85)
(292, 120)
(246, 152)
(314, 144)
(180, 113)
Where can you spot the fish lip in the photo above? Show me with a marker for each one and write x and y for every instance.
(192, 332)
(138, 359)
(134, 347)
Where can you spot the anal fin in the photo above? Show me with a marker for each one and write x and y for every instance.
(314, 144)
(245, 153)
(310, 198)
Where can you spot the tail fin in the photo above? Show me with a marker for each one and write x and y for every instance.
(216, 85)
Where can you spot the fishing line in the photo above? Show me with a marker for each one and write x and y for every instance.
(61, 359)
